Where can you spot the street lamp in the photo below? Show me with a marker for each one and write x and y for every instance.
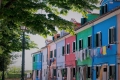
(23, 28)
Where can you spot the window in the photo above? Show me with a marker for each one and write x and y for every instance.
(90, 42)
(34, 59)
(55, 53)
(80, 44)
(112, 71)
(89, 72)
(54, 72)
(111, 35)
(63, 49)
(98, 39)
(73, 46)
(43, 58)
(51, 54)
(97, 71)
(68, 48)
(73, 72)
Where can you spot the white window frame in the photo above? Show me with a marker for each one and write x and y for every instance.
(113, 27)
(99, 40)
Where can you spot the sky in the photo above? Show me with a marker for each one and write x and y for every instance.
(40, 41)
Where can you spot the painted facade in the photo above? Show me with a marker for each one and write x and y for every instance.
(83, 62)
(60, 46)
(118, 41)
(105, 51)
(70, 58)
(37, 66)
(44, 64)
(92, 54)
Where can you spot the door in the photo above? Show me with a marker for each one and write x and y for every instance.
(105, 72)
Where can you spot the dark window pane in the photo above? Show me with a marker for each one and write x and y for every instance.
(63, 50)
(55, 53)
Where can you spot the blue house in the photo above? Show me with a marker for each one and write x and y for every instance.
(104, 52)
(37, 65)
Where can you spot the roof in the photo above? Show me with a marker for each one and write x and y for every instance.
(87, 23)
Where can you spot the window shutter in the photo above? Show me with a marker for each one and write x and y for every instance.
(101, 10)
(105, 8)
(109, 36)
(100, 35)
(79, 44)
(114, 35)
(90, 41)
(69, 48)
(63, 50)
(55, 53)
(96, 38)
(82, 43)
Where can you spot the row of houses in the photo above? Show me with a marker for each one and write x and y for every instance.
(93, 53)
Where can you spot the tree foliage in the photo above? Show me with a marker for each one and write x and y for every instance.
(23, 12)
(16, 13)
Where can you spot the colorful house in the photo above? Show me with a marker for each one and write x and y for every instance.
(84, 45)
(37, 65)
(44, 63)
(60, 46)
(70, 60)
(52, 58)
(104, 31)
(118, 42)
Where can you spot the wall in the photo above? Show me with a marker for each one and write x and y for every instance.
(92, 16)
(118, 48)
(44, 64)
(111, 5)
(70, 58)
(60, 57)
(110, 56)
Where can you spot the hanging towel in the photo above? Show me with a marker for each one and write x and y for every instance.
(34, 75)
(39, 73)
(104, 50)
(84, 54)
(68, 74)
(91, 53)
(87, 52)
(80, 55)
(95, 52)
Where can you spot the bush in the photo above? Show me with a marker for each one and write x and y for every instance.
(14, 75)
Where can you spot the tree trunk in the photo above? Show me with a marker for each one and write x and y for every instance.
(3, 77)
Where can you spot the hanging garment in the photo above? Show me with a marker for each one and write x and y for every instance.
(101, 50)
(39, 74)
(80, 55)
(34, 76)
(84, 54)
(92, 53)
(77, 55)
(81, 73)
(104, 50)
(68, 74)
(95, 52)
(87, 52)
